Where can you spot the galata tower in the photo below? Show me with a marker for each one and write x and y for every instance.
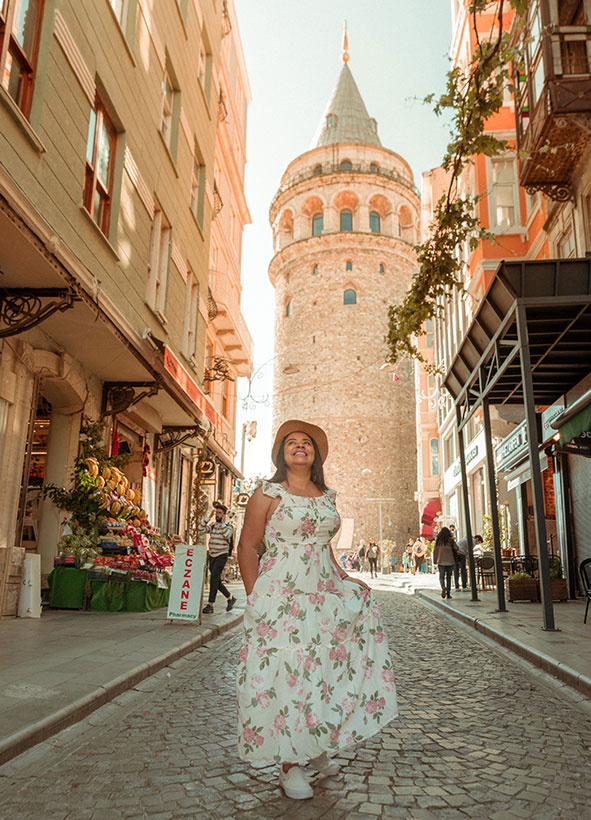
(344, 224)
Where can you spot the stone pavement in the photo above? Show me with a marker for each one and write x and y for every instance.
(566, 653)
(478, 737)
(58, 668)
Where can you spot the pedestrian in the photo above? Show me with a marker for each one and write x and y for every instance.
(344, 560)
(372, 554)
(407, 557)
(314, 673)
(221, 538)
(419, 551)
(361, 550)
(460, 568)
(393, 562)
(444, 556)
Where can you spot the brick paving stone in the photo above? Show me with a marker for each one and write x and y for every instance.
(455, 752)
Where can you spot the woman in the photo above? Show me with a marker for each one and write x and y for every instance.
(419, 552)
(314, 673)
(444, 556)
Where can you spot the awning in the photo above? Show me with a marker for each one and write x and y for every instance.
(430, 512)
(579, 425)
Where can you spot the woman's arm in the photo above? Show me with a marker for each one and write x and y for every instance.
(253, 531)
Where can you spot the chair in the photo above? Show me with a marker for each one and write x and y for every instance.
(486, 565)
(585, 573)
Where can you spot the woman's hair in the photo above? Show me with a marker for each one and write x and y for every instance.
(316, 474)
(444, 536)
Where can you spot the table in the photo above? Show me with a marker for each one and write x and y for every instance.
(70, 588)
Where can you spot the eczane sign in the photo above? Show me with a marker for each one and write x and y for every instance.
(186, 587)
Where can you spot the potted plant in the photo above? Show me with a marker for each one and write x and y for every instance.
(522, 587)
(558, 583)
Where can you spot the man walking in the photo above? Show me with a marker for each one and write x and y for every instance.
(460, 565)
(221, 536)
(361, 555)
(372, 555)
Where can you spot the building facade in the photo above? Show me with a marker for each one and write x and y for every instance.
(109, 126)
(344, 221)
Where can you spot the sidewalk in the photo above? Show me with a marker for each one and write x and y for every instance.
(565, 654)
(61, 667)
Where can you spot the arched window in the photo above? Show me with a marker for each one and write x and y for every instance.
(317, 170)
(315, 270)
(374, 167)
(374, 221)
(349, 265)
(350, 297)
(382, 269)
(346, 165)
(317, 224)
(331, 120)
(288, 308)
(434, 447)
(346, 220)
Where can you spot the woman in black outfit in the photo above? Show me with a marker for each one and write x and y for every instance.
(444, 557)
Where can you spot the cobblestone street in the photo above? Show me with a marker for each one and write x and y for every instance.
(477, 737)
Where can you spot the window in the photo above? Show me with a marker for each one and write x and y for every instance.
(204, 65)
(566, 245)
(315, 270)
(100, 153)
(434, 449)
(331, 120)
(449, 449)
(429, 332)
(160, 247)
(374, 222)
(346, 218)
(382, 269)
(18, 49)
(346, 165)
(191, 316)
(226, 400)
(317, 224)
(120, 8)
(198, 186)
(503, 193)
(350, 297)
(349, 265)
(288, 308)
(374, 167)
(317, 170)
(167, 108)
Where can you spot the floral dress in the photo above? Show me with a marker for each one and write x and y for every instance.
(314, 673)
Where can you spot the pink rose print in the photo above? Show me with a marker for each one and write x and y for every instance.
(279, 515)
(294, 609)
(382, 702)
(263, 700)
(312, 720)
(259, 740)
(279, 722)
(308, 526)
(320, 586)
(371, 706)
(291, 680)
(340, 634)
(263, 629)
(268, 564)
(309, 549)
(387, 676)
(378, 637)
(310, 663)
(334, 736)
(248, 735)
(313, 598)
(261, 652)
(347, 704)
(273, 634)
(330, 586)
(243, 654)
(341, 652)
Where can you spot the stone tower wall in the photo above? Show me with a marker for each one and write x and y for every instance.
(337, 349)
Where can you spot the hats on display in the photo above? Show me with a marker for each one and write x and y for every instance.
(316, 433)
(217, 505)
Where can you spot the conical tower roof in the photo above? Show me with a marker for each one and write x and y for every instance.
(346, 118)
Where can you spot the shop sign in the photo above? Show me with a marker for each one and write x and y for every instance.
(548, 416)
(470, 455)
(184, 603)
(510, 446)
(242, 499)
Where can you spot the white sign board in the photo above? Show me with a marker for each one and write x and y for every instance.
(187, 583)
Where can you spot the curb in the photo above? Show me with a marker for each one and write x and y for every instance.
(19, 742)
(576, 680)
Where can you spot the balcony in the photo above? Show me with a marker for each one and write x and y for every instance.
(553, 104)
(228, 323)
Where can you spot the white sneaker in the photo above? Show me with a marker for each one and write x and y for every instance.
(295, 784)
(324, 766)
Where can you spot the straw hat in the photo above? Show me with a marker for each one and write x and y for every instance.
(317, 434)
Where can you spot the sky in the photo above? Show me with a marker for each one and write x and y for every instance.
(398, 54)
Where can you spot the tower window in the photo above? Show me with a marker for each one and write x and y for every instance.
(315, 270)
(374, 167)
(434, 447)
(346, 165)
(317, 224)
(331, 120)
(350, 297)
(288, 308)
(317, 170)
(382, 268)
(374, 222)
(346, 220)
(349, 265)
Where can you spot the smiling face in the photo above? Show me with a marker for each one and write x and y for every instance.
(298, 449)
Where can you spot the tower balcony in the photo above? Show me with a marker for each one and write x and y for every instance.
(228, 323)
(553, 100)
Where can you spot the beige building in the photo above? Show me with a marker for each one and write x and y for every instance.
(109, 118)
(344, 221)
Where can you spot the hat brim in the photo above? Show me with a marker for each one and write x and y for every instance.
(316, 433)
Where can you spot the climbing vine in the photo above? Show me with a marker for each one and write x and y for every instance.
(471, 96)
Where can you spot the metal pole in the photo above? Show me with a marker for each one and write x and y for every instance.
(466, 500)
(494, 510)
(380, 518)
(536, 476)
(242, 452)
